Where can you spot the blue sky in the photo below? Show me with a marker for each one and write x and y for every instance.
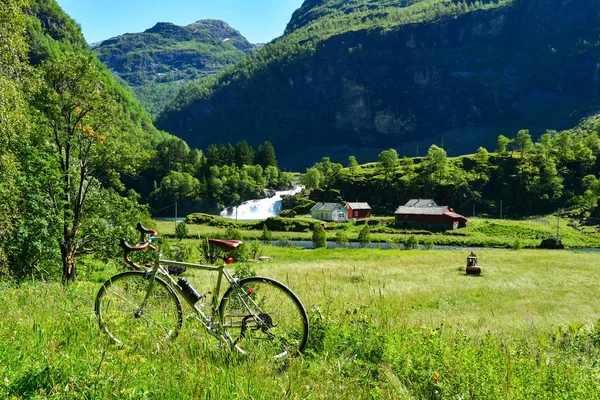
(259, 21)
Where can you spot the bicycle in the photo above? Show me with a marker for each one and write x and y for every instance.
(143, 306)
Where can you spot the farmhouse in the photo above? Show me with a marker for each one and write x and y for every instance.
(426, 214)
(334, 212)
(358, 210)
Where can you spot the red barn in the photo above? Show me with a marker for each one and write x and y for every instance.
(426, 214)
(358, 210)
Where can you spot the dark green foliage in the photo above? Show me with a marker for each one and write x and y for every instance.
(290, 224)
(265, 156)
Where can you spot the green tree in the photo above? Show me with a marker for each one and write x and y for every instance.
(436, 163)
(319, 238)
(482, 163)
(312, 178)
(341, 237)
(523, 141)
(244, 154)
(364, 236)
(84, 141)
(176, 186)
(181, 230)
(502, 145)
(172, 154)
(14, 124)
(388, 160)
(265, 155)
(352, 165)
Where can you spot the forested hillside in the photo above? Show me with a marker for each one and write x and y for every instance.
(156, 63)
(358, 77)
(80, 160)
(68, 132)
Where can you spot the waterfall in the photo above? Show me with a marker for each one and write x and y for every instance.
(259, 208)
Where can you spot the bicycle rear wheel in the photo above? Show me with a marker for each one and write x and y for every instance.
(261, 315)
(127, 320)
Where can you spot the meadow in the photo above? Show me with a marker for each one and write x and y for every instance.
(385, 324)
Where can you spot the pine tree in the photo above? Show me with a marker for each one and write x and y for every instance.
(265, 156)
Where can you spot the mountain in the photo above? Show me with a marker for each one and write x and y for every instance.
(354, 78)
(155, 63)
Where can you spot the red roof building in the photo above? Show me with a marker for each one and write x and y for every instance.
(358, 210)
(426, 214)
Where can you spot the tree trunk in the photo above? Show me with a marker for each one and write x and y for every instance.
(68, 260)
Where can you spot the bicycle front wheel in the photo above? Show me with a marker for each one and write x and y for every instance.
(263, 316)
(131, 318)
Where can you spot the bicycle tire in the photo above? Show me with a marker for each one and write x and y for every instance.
(261, 315)
(119, 315)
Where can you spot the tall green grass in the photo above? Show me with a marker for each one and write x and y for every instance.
(385, 324)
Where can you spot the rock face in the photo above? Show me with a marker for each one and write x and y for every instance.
(456, 82)
(170, 55)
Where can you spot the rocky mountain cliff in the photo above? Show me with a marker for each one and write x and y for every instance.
(155, 63)
(405, 74)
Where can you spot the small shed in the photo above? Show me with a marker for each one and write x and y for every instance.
(358, 210)
(334, 212)
(426, 214)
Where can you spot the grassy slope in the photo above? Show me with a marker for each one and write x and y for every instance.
(390, 324)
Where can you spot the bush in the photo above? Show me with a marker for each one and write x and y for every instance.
(364, 236)
(319, 238)
(411, 242)
(254, 250)
(177, 251)
(289, 224)
(267, 236)
(428, 244)
(181, 230)
(341, 238)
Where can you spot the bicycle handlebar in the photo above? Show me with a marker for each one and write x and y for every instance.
(144, 244)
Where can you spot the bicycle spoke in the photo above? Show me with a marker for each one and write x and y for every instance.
(264, 316)
(118, 307)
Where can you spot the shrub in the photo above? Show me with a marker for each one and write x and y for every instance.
(254, 249)
(341, 238)
(517, 244)
(181, 230)
(243, 270)
(428, 244)
(267, 236)
(178, 251)
(411, 242)
(289, 224)
(364, 236)
(319, 238)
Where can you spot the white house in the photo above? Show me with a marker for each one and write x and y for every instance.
(334, 212)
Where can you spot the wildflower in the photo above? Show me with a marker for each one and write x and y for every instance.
(436, 377)
(101, 139)
(77, 109)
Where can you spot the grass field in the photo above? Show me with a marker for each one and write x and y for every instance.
(481, 232)
(389, 324)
